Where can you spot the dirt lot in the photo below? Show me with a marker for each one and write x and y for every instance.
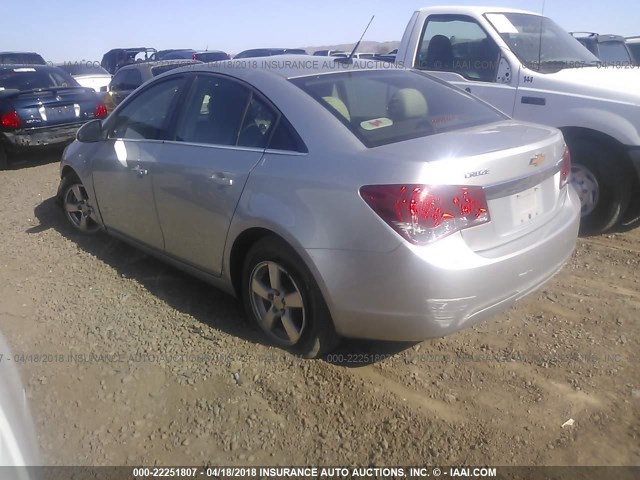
(151, 366)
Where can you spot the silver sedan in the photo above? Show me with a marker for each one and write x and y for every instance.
(334, 199)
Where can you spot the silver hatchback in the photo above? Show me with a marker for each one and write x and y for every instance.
(333, 199)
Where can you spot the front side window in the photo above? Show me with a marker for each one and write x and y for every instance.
(146, 116)
(382, 107)
(539, 43)
(455, 43)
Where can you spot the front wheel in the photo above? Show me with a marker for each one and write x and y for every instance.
(602, 183)
(75, 202)
(281, 297)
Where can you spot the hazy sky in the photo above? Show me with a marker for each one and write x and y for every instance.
(70, 30)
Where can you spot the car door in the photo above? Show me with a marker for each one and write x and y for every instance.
(124, 160)
(220, 136)
(458, 50)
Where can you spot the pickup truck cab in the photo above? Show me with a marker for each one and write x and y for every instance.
(527, 66)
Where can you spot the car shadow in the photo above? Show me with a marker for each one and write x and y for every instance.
(188, 294)
(35, 158)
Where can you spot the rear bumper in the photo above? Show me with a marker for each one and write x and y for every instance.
(415, 293)
(40, 137)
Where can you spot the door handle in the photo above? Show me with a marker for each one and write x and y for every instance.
(221, 179)
(141, 172)
(468, 90)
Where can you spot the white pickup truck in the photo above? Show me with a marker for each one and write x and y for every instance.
(530, 68)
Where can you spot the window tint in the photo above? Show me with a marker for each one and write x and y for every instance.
(128, 79)
(214, 112)
(382, 107)
(286, 138)
(146, 116)
(458, 44)
(257, 124)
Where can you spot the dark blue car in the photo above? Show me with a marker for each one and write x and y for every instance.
(41, 106)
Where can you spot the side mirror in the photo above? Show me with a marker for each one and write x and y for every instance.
(90, 132)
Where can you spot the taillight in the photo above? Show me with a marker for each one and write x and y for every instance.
(193, 57)
(10, 120)
(101, 110)
(565, 167)
(423, 214)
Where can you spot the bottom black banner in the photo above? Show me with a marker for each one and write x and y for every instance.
(328, 473)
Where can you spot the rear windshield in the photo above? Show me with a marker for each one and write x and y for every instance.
(614, 52)
(160, 69)
(21, 59)
(25, 78)
(83, 68)
(211, 56)
(382, 107)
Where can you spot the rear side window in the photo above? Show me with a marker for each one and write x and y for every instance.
(381, 107)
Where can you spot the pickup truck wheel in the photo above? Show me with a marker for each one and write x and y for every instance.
(602, 185)
(282, 298)
(4, 161)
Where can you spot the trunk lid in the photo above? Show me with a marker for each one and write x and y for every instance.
(55, 106)
(517, 165)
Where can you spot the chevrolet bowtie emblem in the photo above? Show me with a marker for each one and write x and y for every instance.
(537, 160)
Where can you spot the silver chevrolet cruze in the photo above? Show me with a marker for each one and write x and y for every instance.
(334, 199)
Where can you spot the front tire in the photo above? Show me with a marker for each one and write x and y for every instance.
(76, 206)
(602, 183)
(281, 297)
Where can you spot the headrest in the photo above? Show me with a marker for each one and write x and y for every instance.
(407, 103)
(339, 106)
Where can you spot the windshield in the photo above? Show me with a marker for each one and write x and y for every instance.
(31, 79)
(387, 106)
(540, 43)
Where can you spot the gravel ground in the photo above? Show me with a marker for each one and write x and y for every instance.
(145, 365)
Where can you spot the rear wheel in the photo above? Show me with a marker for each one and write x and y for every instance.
(281, 297)
(77, 209)
(602, 184)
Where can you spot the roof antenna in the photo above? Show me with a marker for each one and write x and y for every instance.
(540, 44)
(349, 59)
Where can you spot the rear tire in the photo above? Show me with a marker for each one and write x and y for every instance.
(599, 176)
(281, 297)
